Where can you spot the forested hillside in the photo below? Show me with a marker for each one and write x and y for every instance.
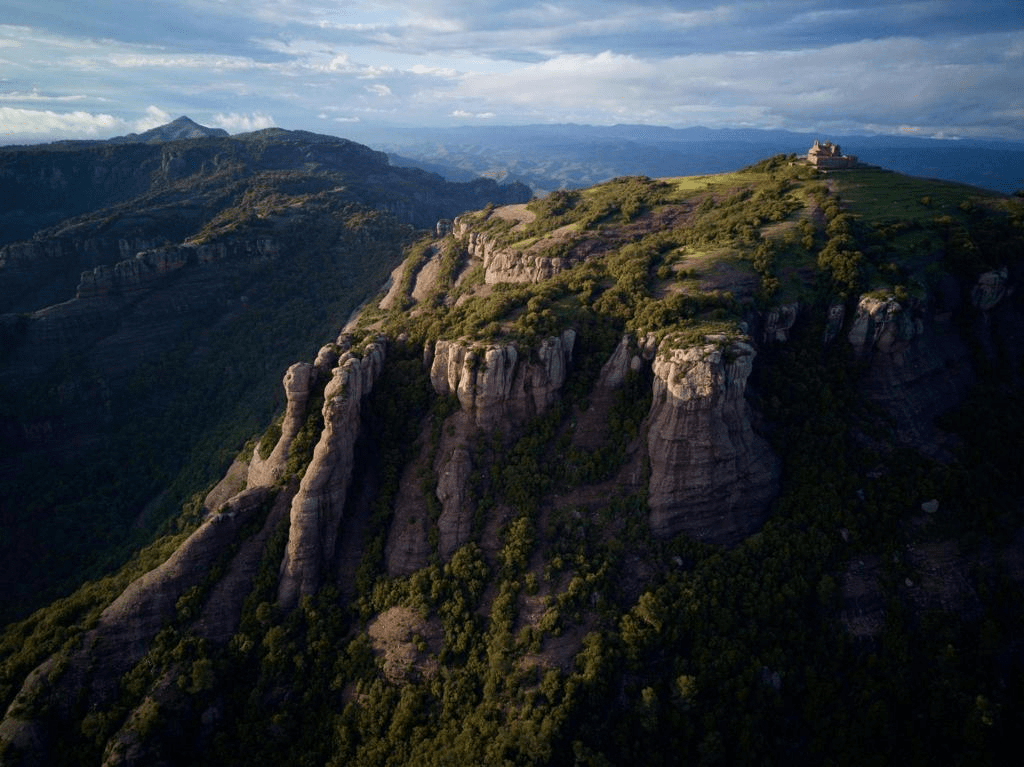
(710, 469)
(143, 328)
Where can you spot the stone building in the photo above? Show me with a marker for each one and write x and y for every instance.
(829, 156)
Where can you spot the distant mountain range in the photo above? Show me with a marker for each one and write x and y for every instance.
(552, 156)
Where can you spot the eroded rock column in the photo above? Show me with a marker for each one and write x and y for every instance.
(711, 475)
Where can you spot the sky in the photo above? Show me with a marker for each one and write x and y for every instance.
(101, 68)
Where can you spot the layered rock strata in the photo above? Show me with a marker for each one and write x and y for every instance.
(497, 386)
(148, 266)
(779, 322)
(712, 476)
(318, 506)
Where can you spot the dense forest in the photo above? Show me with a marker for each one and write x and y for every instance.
(870, 612)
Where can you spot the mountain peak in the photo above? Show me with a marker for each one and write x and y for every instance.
(182, 128)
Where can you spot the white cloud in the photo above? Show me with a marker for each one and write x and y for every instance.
(782, 64)
(165, 61)
(34, 95)
(241, 123)
(921, 84)
(33, 124)
(155, 117)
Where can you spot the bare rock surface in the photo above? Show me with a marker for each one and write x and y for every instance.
(318, 506)
(455, 521)
(232, 484)
(991, 288)
(126, 627)
(298, 381)
(426, 277)
(406, 642)
(506, 264)
(917, 364)
(779, 322)
(496, 384)
(222, 611)
(711, 475)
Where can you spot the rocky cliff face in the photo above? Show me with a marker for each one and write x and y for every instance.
(711, 475)
(495, 383)
(298, 383)
(319, 504)
(917, 362)
(504, 264)
(530, 518)
(93, 667)
(182, 260)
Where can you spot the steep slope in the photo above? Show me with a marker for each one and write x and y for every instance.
(670, 469)
(222, 261)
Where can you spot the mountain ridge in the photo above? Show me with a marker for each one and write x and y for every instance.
(643, 468)
(173, 255)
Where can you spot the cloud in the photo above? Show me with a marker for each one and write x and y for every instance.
(925, 84)
(155, 117)
(33, 124)
(35, 95)
(241, 123)
(930, 65)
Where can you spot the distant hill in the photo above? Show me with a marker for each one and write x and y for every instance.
(182, 128)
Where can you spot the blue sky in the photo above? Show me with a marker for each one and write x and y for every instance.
(99, 68)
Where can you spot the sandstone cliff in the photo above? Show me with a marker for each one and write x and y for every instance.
(506, 264)
(495, 383)
(918, 362)
(318, 506)
(298, 382)
(711, 475)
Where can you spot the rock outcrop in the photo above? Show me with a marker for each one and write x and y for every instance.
(298, 382)
(991, 288)
(918, 364)
(711, 475)
(504, 264)
(834, 322)
(150, 265)
(779, 321)
(882, 323)
(454, 522)
(318, 506)
(496, 383)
